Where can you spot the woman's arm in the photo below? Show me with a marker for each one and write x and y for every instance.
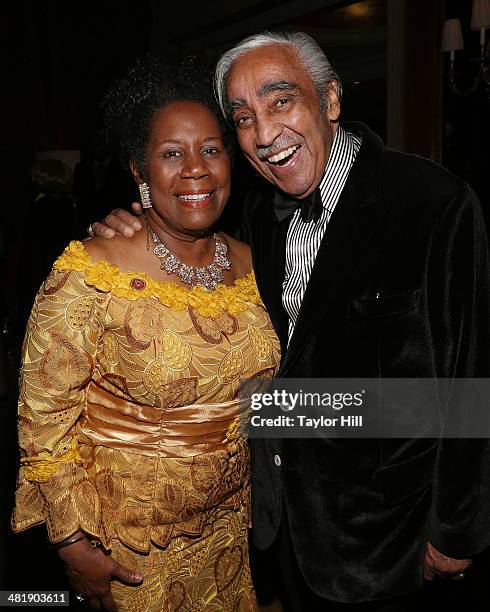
(59, 350)
(59, 356)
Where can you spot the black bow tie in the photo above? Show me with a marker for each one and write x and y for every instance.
(311, 206)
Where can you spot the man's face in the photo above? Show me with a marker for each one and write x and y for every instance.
(276, 113)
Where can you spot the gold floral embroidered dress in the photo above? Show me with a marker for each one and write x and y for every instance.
(128, 427)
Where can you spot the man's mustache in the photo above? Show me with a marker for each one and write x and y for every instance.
(265, 152)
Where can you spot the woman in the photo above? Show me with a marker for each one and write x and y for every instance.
(135, 350)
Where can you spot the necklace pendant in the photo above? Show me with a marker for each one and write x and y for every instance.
(171, 264)
(161, 250)
(187, 274)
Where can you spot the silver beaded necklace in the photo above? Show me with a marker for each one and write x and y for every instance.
(208, 276)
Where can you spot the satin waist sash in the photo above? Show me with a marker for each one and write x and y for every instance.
(184, 431)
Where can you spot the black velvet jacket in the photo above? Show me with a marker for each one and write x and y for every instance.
(400, 288)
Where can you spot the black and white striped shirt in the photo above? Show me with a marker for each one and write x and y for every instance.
(303, 239)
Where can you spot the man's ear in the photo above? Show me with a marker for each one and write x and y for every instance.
(138, 177)
(333, 101)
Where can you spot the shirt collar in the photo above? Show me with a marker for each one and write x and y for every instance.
(341, 158)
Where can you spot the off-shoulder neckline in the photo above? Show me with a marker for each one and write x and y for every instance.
(134, 285)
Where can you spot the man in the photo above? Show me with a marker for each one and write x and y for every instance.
(371, 263)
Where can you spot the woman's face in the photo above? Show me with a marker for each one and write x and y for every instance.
(188, 168)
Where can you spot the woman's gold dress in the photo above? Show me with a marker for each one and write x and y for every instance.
(129, 427)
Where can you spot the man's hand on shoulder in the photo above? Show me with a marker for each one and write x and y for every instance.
(437, 564)
(119, 221)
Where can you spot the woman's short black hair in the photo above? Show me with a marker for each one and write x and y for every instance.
(132, 102)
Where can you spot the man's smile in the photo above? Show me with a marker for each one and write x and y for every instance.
(283, 156)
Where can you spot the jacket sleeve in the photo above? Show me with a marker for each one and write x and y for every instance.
(458, 295)
(58, 355)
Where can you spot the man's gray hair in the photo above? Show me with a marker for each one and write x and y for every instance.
(309, 53)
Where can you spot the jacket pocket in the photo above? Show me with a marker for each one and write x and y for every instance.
(384, 305)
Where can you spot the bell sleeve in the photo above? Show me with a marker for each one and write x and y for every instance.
(58, 361)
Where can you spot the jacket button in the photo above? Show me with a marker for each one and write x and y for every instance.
(277, 460)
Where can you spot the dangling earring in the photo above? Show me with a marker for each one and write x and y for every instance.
(145, 195)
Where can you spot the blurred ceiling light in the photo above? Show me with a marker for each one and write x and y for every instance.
(359, 9)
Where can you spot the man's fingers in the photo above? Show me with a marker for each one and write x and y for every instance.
(121, 219)
(128, 218)
(100, 229)
(137, 208)
(119, 223)
(438, 564)
(460, 574)
(94, 603)
(430, 566)
(126, 575)
(429, 573)
(431, 563)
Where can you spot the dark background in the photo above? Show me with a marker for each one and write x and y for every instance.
(60, 57)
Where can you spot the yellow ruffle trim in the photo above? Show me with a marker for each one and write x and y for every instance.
(39, 468)
(107, 277)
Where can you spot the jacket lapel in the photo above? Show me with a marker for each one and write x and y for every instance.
(269, 265)
(351, 224)
(329, 274)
